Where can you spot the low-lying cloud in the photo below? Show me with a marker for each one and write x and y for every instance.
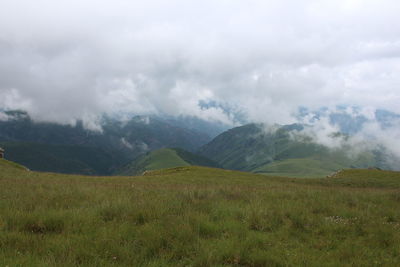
(355, 130)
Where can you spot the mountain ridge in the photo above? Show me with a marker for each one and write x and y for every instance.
(284, 150)
(49, 146)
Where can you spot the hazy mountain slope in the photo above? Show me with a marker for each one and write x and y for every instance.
(195, 159)
(252, 145)
(261, 149)
(63, 158)
(238, 148)
(210, 128)
(162, 159)
(150, 133)
(133, 134)
(75, 149)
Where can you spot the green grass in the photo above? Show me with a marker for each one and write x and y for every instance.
(9, 166)
(304, 167)
(196, 216)
(367, 178)
(162, 159)
(154, 160)
(165, 158)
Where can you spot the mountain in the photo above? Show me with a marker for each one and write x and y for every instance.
(281, 150)
(164, 158)
(133, 134)
(74, 159)
(210, 128)
(75, 149)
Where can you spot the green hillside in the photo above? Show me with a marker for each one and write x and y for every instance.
(302, 167)
(63, 158)
(197, 216)
(162, 159)
(274, 151)
(9, 166)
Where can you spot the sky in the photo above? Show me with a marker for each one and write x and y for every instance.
(67, 60)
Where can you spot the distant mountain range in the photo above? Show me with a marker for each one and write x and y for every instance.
(74, 149)
(130, 147)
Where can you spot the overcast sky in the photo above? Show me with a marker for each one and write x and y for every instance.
(62, 60)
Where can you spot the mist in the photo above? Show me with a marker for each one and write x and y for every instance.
(354, 130)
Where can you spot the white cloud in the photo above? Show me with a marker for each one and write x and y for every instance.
(371, 134)
(63, 60)
(3, 116)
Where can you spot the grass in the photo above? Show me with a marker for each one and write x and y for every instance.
(162, 159)
(158, 159)
(196, 216)
(9, 166)
(303, 167)
(165, 158)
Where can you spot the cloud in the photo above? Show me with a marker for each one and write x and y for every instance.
(69, 60)
(354, 130)
(3, 116)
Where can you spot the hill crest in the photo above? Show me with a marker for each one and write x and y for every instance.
(164, 158)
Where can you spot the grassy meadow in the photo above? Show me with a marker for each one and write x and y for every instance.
(197, 216)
